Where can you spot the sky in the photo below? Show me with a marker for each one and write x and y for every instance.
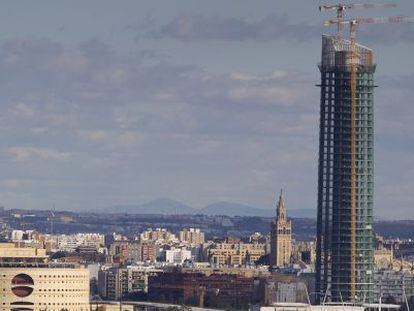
(121, 102)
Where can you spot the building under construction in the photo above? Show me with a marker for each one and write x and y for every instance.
(345, 183)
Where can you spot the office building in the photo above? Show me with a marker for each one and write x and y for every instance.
(28, 281)
(345, 177)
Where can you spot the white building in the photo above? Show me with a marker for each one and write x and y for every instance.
(69, 243)
(177, 256)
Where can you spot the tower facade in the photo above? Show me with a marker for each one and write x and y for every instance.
(280, 236)
(344, 267)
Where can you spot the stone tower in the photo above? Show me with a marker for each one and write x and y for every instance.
(280, 236)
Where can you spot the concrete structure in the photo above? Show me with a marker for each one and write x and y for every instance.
(280, 236)
(383, 258)
(159, 235)
(177, 255)
(226, 254)
(111, 306)
(148, 252)
(230, 292)
(29, 282)
(304, 252)
(142, 306)
(118, 252)
(191, 236)
(284, 288)
(69, 243)
(307, 307)
(57, 242)
(346, 178)
(119, 282)
(394, 286)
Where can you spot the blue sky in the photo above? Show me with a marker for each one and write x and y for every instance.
(120, 102)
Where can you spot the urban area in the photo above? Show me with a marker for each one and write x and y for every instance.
(340, 258)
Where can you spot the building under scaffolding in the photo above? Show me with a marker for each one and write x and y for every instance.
(345, 181)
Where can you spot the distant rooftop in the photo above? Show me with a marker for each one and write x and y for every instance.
(10, 250)
(60, 265)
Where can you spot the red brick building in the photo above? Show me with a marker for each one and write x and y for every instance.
(224, 290)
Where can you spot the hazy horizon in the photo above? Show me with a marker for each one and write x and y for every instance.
(106, 103)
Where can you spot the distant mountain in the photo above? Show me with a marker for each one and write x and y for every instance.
(158, 206)
(302, 213)
(236, 209)
(167, 206)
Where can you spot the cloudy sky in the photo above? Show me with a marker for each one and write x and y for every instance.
(121, 102)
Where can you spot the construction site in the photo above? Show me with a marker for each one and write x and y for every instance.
(344, 265)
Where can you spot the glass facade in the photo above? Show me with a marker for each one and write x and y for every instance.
(345, 250)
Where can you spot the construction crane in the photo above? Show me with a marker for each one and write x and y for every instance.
(341, 8)
(353, 61)
(370, 20)
(51, 218)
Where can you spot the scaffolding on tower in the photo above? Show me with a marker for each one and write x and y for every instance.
(351, 57)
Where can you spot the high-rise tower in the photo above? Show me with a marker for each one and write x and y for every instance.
(345, 181)
(280, 236)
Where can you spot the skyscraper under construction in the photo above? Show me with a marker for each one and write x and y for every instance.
(345, 182)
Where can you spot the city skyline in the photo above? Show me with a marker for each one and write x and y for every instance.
(106, 104)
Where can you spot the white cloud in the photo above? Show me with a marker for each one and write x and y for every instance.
(243, 76)
(40, 130)
(129, 139)
(83, 113)
(275, 95)
(22, 110)
(97, 136)
(21, 153)
(196, 27)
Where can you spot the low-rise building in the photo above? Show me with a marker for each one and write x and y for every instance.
(217, 290)
(393, 286)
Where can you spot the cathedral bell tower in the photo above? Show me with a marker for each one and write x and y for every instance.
(280, 236)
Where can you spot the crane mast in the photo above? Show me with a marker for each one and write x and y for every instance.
(354, 69)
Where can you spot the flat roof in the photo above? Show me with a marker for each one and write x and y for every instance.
(381, 305)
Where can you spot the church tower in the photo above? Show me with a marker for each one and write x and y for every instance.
(280, 236)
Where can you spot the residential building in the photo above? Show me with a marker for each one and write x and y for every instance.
(191, 236)
(159, 236)
(115, 283)
(148, 252)
(227, 254)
